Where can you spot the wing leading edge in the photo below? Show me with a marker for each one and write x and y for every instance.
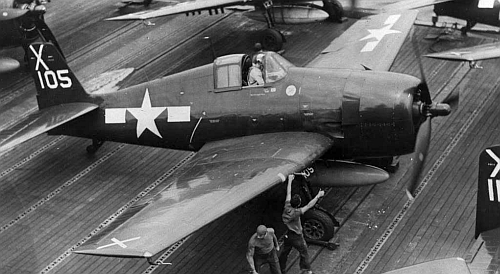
(222, 176)
(470, 54)
(183, 7)
(371, 43)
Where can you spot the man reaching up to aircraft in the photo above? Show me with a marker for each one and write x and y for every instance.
(255, 77)
(294, 237)
(262, 248)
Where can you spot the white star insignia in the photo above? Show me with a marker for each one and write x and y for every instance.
(380, 33)
(146, 116)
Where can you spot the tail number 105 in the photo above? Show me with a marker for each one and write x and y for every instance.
(53, 80)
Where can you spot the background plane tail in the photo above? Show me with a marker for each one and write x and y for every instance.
(55, 82)
(488, 191)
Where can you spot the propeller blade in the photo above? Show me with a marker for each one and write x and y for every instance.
(421, 148)
(9, 14)
(425, 96)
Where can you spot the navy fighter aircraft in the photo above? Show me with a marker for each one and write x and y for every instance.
(22, 22)
(472, 11)
(270, 11)
(344, 105)
(484, 255)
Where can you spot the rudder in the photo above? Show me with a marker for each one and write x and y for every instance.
(488, 191)
(55, 82)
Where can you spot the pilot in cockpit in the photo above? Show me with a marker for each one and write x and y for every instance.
(255, 77)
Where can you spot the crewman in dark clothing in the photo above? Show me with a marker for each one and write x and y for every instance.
(262, 248)
(295, 237)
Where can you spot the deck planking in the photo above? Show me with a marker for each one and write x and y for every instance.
(205, 251)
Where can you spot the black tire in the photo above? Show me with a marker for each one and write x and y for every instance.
(317, 225)
(272, 40)
(334, 9)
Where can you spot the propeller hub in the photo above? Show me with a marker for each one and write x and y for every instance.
(441, 109)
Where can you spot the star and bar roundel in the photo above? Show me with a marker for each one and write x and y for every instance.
(146, 115)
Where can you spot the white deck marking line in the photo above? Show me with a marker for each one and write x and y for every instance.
(111, 218)
(165, 255)
(31, 156)
(395, 222)
(59, 189)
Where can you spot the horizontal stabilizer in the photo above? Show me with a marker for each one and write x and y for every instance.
(42, 121)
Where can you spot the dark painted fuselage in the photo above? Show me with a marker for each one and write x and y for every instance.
(468, 10)
(368, 114)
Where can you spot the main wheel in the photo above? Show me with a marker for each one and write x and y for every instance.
(317, 225)
(272, 40)
(334, 10)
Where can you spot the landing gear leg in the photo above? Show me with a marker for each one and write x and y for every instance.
(470, 24)
(96, 144)
(272, 39)
(335, 10)
(318, 224)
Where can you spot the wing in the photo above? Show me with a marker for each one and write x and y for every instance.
(183, 7)
(476, 53)
(411, 4)
(371, 43)
(42, 121)
(222, 176)
(483, 255)
(441, 266)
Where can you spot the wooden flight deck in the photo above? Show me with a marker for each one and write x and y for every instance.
(54, 196)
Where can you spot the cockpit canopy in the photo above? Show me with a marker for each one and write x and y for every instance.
(231, 71)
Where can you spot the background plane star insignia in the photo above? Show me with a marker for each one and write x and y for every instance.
(380, 33)
(146, 116)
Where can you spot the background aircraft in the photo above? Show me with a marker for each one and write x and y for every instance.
(344, 105)
(469, 54)
(484, 254)
(472, 11)
(272, 12)
(21, 22)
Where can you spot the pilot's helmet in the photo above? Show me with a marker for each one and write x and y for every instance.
(259, 59)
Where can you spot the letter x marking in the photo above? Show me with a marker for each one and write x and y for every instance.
(38, 56)
(497, 167)
(118, 242)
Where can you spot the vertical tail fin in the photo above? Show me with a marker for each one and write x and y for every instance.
(488, 191)
(55, 82)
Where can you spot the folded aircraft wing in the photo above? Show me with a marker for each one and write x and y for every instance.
(411, 4)
(222, 176)
(471, 54)
(42, 121)
(370, 43)
(180, 7)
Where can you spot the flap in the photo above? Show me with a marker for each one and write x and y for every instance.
(42, 121)
(222, 176)
(371, 43)
(180, 7)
